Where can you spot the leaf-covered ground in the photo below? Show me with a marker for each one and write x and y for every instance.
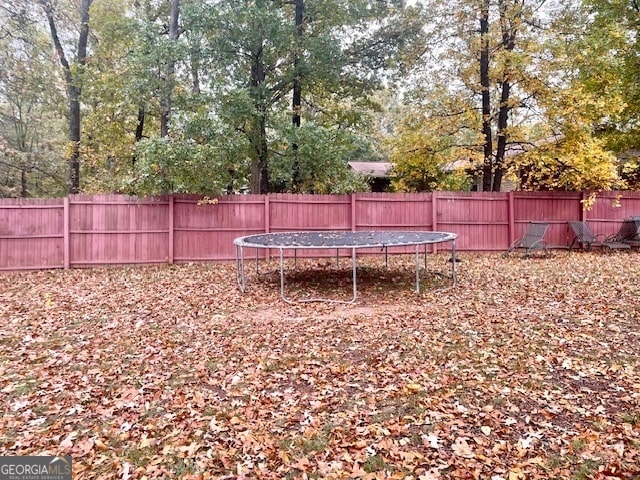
(528, 369)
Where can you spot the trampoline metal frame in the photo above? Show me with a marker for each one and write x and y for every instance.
(429, 238)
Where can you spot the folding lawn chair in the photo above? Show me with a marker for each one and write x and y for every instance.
(586, 239)
(629, 232)
(533, 240)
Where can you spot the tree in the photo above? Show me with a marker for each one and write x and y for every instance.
(72, 70)
(605, 58)
(29, 130)
(577, 146)
(296, 97)
(270, 50)
(483, 76)
(575, 163)
(173, 34)
(139, 98)
(114, 97)
(173, 93)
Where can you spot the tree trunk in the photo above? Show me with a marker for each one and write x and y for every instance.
(508, 29)
(503, 123)
(174, 34)
(74, 84)
(195, 61)
(74, 139)
(139, 132)
(297, 85)
(259, 172)
(487, 134)
(24, 192)
(296, 103)
(258, 129)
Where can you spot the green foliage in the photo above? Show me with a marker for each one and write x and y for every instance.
(572, 71)
(181, 165)
(609, 69)
(257, 50)
(426, 172)
(31, 130)
(604, 56)
(319, 161)
(112, 96)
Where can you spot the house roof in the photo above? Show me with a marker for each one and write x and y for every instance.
(372, 169)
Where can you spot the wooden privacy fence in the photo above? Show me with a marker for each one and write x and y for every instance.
(88, 230)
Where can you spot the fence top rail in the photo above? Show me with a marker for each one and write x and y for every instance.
(35, 206)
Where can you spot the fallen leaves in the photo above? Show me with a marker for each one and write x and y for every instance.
(526, 370)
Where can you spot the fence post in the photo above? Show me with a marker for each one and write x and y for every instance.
(511, 217)
(66, 233)
(354, 222)
(434, 218)
(171, 229)
(267, 214)
(267, 223)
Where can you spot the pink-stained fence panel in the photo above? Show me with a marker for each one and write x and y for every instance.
(393, 211)
(555, 208)
(205, 230)
(610, 209)
(114, 229)
(31, 234)
(87, 230)
(290, 212)
(481, 221)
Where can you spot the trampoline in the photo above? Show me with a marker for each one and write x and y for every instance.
(340, 240)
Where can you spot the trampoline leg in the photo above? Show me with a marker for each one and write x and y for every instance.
(237, 265)
(257, 271)
(418, 268)
(355, 281)
(453, 268)
(282, 278)
(240, 275)
(425, 256)
(453, 263)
